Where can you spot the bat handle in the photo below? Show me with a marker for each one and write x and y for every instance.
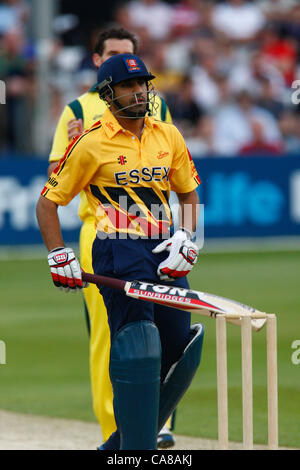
(117, 284)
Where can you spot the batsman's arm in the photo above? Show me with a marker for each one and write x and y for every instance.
(52, 167)
(64, 267)
(46, 212)
(188, 210)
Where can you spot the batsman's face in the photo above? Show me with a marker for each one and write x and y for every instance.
(132, 94)
(113, 47)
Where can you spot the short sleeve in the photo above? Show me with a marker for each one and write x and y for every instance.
(74, 172)
(183, 174)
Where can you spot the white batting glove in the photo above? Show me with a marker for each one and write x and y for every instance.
(183, 256)
(65, 269)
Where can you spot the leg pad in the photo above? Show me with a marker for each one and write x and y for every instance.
(135, 362)
(180, 375)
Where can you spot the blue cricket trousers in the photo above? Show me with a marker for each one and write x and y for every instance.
(133, 260)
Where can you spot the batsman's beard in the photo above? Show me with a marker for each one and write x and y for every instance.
(128, 110)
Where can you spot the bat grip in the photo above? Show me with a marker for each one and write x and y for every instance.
(117, 284)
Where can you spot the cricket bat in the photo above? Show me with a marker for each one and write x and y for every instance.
(202, 303)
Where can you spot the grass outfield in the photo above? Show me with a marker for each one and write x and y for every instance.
(47, 344)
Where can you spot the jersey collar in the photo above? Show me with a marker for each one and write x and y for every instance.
(111, 125)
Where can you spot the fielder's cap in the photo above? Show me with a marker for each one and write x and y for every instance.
(122, 67)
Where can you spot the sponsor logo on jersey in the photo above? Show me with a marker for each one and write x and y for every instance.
(122, 160)
(162, 154)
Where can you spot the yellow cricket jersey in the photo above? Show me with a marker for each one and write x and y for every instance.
(90, 109)
(127, 181)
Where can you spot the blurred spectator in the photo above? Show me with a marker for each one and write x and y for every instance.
(234, 128)
(13, 14)
(291, 27)
(259, 145)
(250, 72)
(56, 106)
(228, 56)
(183, 107)
(87, 56)
(268, 98)
(166, 79)
(225, 95)
(16, 71)
(202, 143)
(8, 18)
(205, 72)
(186, 18)
(276, 10)
(280, 52)
(65, 61)
(288, 127)
(178, 55)
(154, 15)
(238, 19)
(84, 80)
(204, 53)
(67, 28)
(22, 9)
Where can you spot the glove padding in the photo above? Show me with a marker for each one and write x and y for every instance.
(65, 269)
(183, 255)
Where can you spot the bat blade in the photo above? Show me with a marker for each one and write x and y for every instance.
(202, 303)
(196, 302)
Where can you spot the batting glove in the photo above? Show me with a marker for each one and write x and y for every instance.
(65, 269)
(183, 255)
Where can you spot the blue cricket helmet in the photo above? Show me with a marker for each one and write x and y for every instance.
(121, 67)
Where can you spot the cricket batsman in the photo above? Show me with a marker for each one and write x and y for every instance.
(127, 164)
(81, 114)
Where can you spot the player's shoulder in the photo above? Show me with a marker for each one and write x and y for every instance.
(89, 139)
(166, 126)
(84, 99)
(168, 130)
(86, 104)
(91, 134)
(160, 123)
(92, 131)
